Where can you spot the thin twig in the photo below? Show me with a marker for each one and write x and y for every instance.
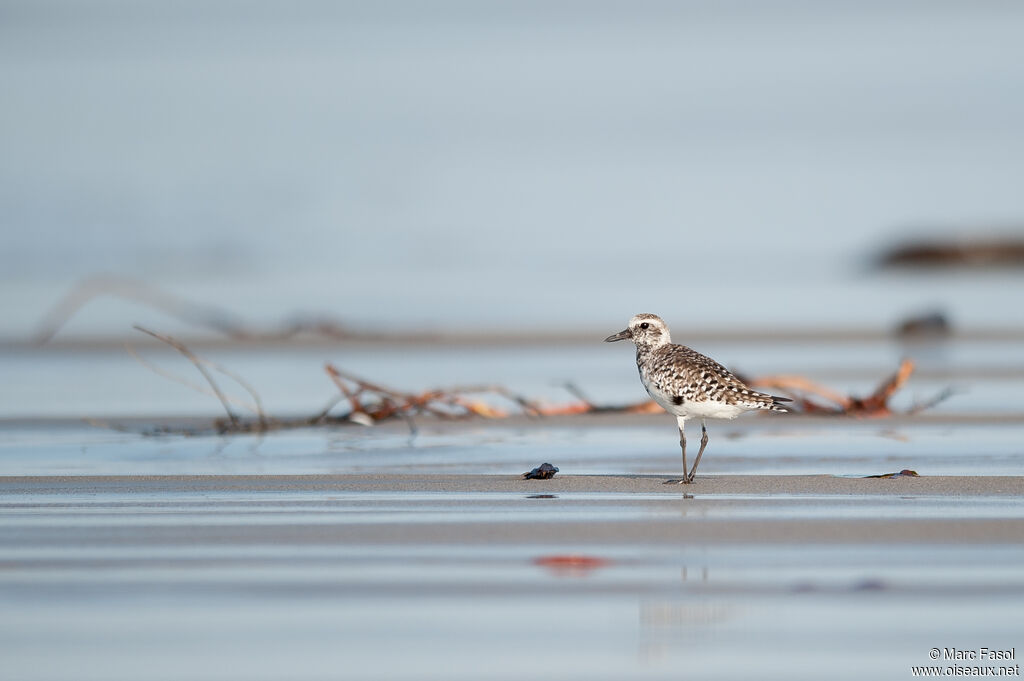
(131, 289)
(180, 347)
(364, 383)
(130, 349)
(944, 395)
(260, 414)
(207, 316)
(411, 422)
(575, 391)
(322, 414)
(337, 379)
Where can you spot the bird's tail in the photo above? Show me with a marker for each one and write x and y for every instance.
(776, 403)
(771, 402)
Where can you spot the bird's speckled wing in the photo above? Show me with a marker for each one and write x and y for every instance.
(684, 373)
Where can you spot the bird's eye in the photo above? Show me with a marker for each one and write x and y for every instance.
(645, 325)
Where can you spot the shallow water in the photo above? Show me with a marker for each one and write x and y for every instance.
(585, 447)
(108, 581)
(504, 637)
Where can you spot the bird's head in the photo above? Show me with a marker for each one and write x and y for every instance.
(645, 330)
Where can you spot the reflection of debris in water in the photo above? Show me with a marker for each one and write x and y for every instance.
(667, 614)
(571, 565)
(670, 628)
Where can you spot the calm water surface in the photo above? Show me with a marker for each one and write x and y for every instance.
(103, 587)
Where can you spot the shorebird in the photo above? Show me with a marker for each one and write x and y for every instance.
(687, 384)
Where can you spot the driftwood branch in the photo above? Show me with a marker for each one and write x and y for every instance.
(370, 402)
(808, 395)
(337, 379)
(373, 401)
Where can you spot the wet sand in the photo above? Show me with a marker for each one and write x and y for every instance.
(707, 486)
(728, 499)
(608, 576)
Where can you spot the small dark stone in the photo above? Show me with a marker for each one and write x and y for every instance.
(545, 471)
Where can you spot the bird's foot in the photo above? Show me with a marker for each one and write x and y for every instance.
(682, 481)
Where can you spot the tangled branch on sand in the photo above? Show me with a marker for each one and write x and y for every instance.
(812, 398)
(369, 402)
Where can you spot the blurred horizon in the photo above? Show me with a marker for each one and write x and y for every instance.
(496, 166)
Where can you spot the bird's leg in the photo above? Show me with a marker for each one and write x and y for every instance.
(682, 443)
(700, 453)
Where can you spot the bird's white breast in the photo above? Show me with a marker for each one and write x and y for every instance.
(707, 409)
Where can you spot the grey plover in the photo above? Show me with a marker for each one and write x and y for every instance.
(687, 384)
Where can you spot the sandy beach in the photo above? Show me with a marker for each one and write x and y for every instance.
(707, 487)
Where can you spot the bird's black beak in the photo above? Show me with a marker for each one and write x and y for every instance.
(621, 335)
